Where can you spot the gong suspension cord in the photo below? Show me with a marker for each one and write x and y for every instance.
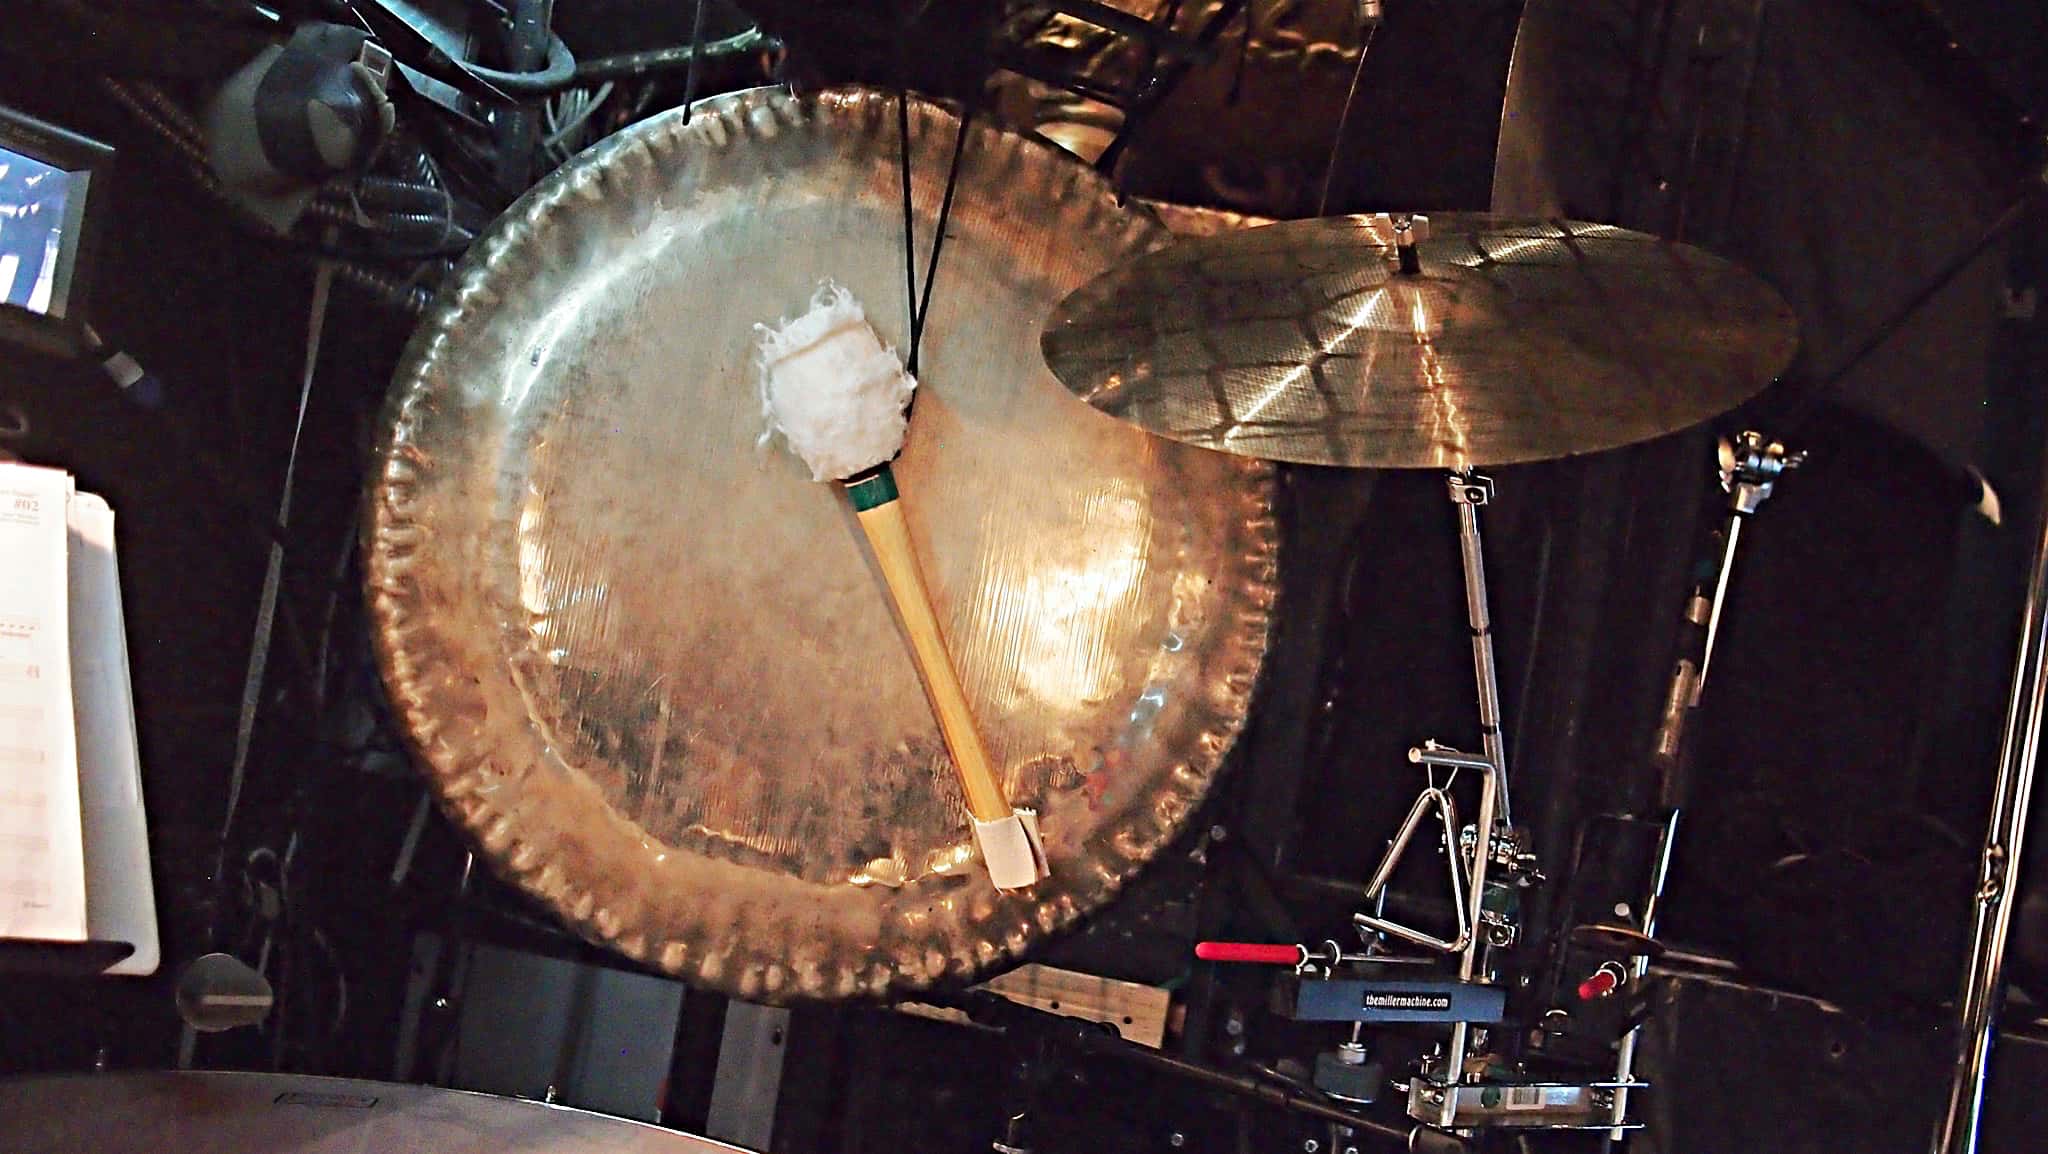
(931, 271)
(690, 75)
(909, 215)
(1343, 118)
(920, 303)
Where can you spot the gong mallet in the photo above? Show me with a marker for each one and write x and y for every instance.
(838, 397)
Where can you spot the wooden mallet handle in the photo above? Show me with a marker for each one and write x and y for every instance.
(881, 518)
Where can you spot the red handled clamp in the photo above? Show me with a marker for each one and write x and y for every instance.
(1602, 982)
(1255, 953)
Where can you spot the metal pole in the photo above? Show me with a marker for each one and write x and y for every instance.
(1699, 685)
(1977, 1005)
(1468, 491)
(1625, 1056)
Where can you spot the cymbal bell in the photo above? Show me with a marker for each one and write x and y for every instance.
(1515, 340)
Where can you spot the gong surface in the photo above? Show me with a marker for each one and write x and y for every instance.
(645, 659)
(1519, 340)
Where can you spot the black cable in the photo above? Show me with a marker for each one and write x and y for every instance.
(1244, 61)
(1814, 394)
(187, 150)
(464, 163)
(145, 390)
(178, 125)
(557, 74)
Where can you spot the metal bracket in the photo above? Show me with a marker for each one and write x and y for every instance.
(1519, 1106)
(1470, 489)
(1408, 230)
(1751, 466)
(376, 63)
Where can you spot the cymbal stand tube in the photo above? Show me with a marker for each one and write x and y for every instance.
(1750, 468)
(1468, 491)
(1734, 539)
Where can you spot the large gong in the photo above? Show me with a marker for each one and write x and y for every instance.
(644, 659)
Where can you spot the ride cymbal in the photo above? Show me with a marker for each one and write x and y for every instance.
(1516, 340)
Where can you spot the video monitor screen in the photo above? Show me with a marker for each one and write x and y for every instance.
(52, 212)
(35, 199)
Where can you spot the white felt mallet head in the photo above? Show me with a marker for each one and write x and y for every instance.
(832, 389)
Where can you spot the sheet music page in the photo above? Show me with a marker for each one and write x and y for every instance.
(42, 853)
(120, 905)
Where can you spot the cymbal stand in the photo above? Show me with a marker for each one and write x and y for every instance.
(1479, 928)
